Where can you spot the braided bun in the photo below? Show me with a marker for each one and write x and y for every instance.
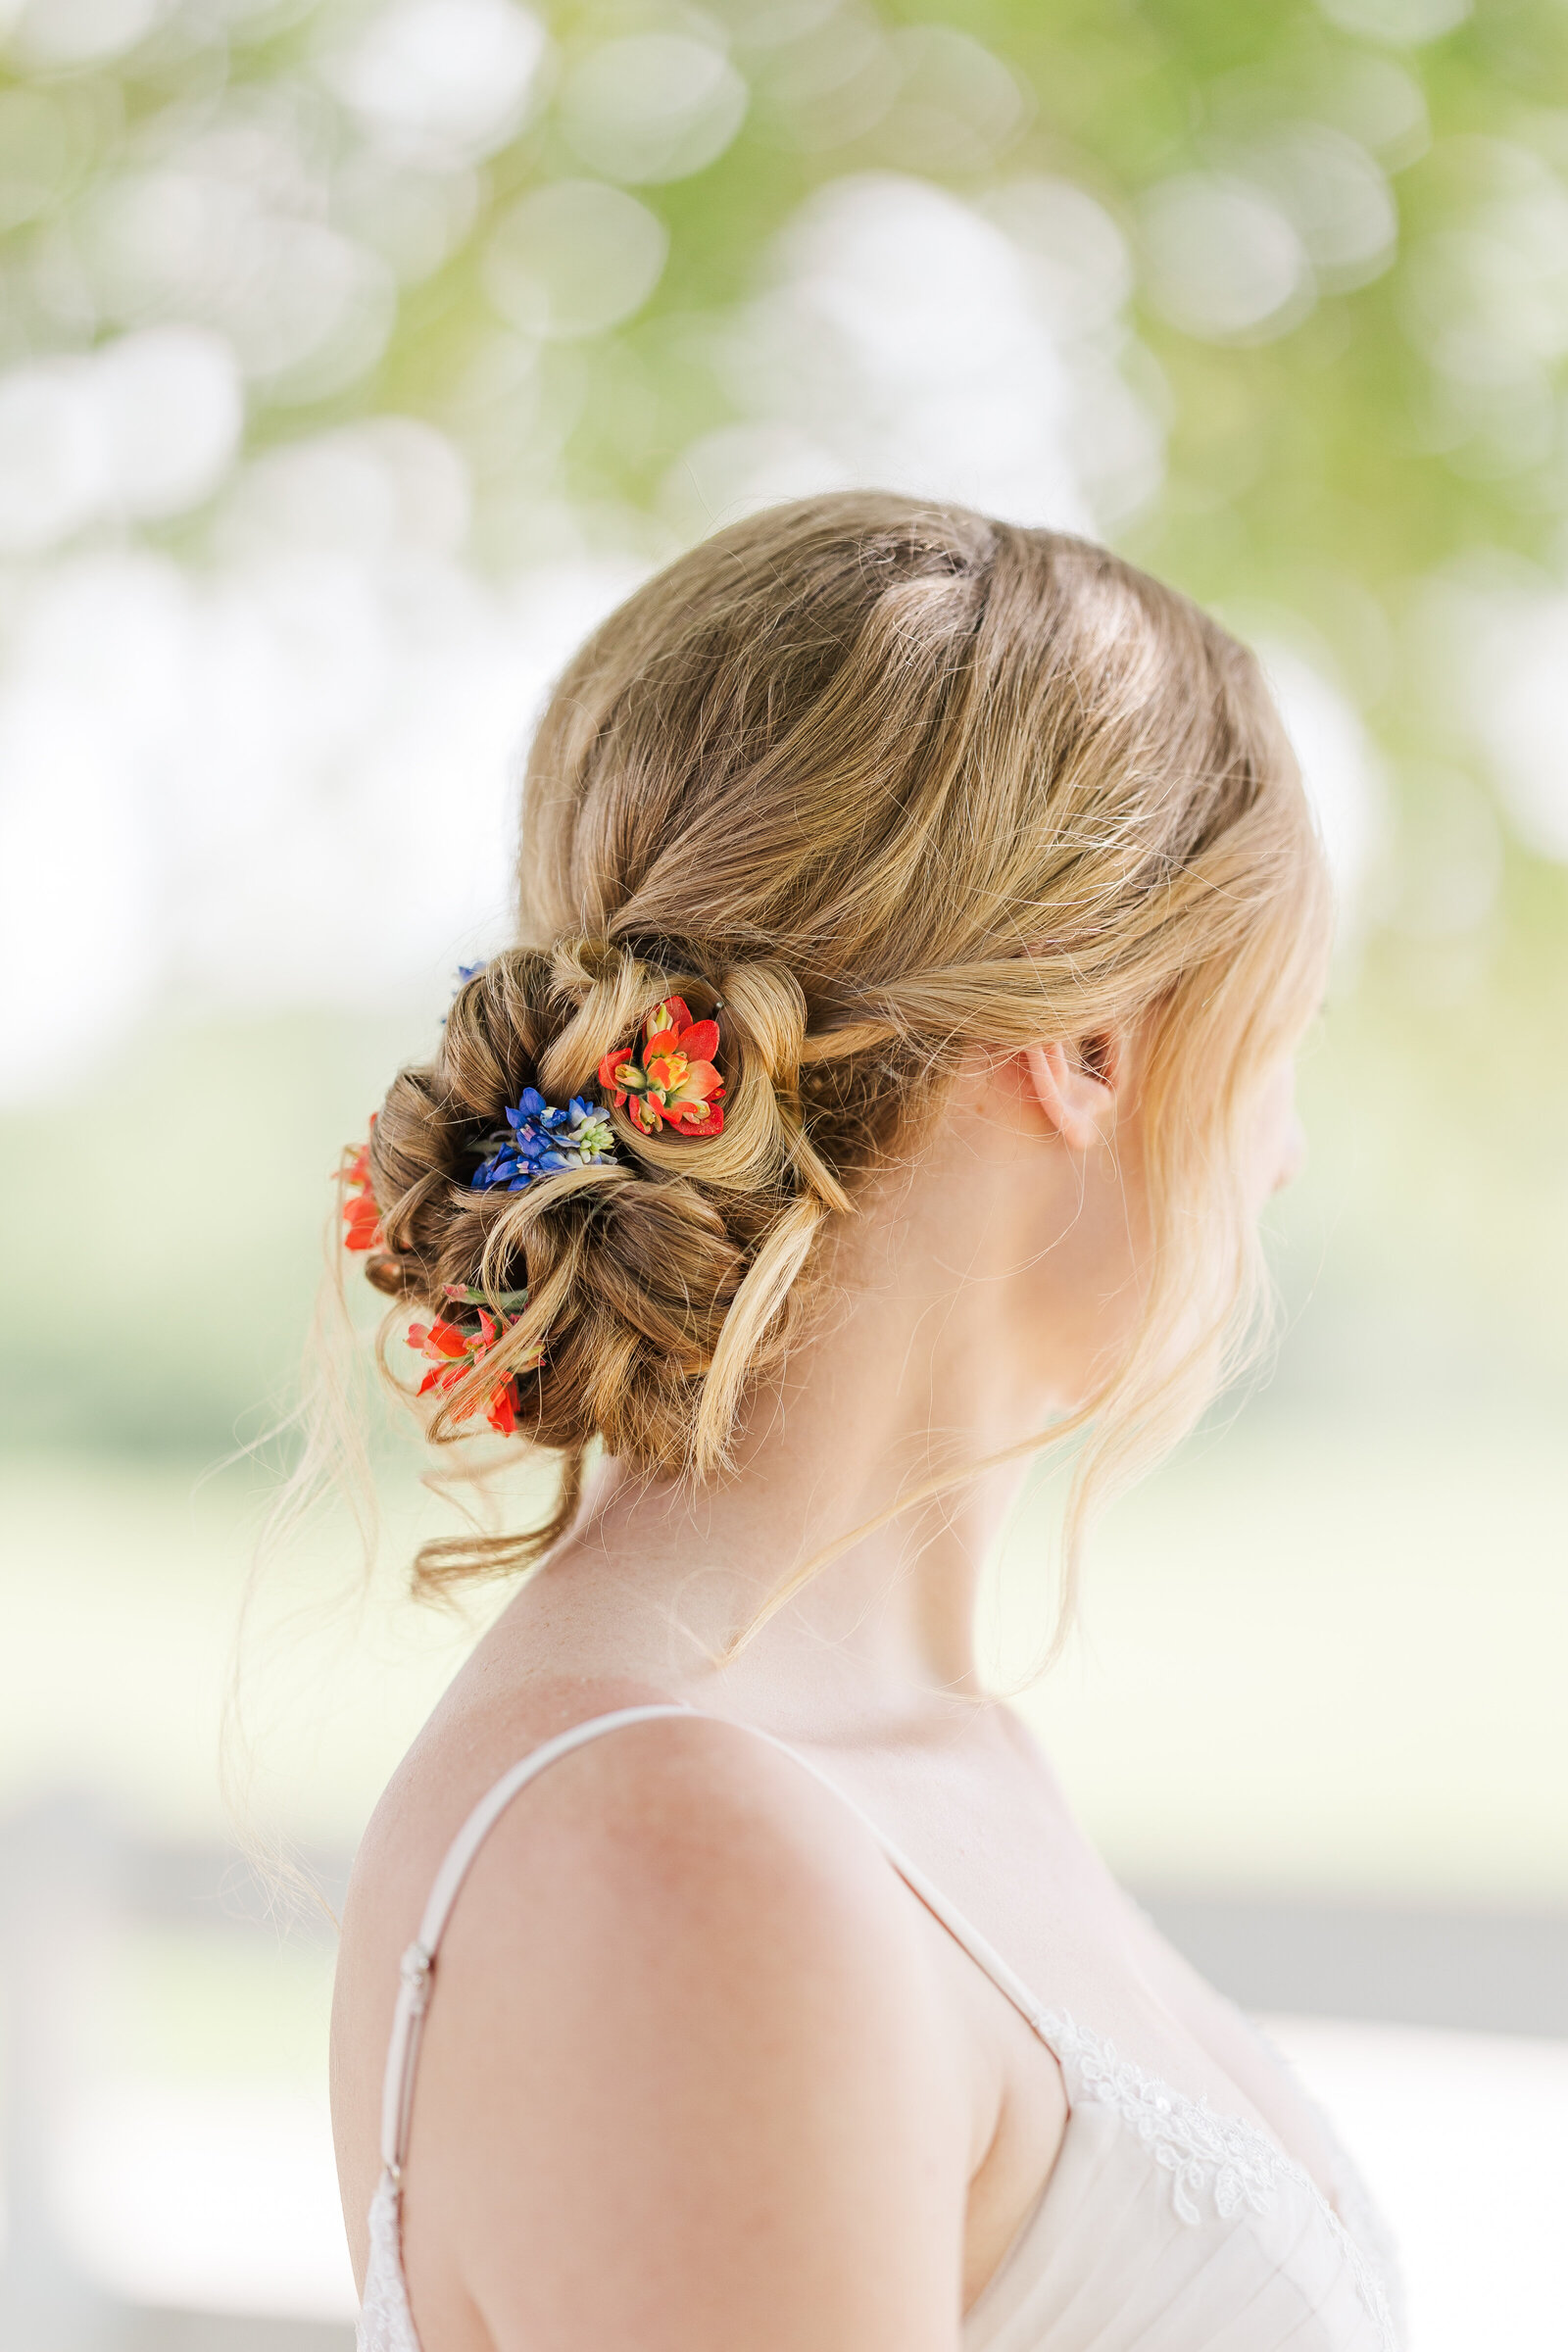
(660, 1282)
(887, 784)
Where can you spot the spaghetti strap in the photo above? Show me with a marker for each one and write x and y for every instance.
(419, 1961)
(985, 1955)
(414, 1990)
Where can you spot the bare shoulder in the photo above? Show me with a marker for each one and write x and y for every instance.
(687, 2075)
(720, 1864)
(683, 1821)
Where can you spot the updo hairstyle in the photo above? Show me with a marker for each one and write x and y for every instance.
(885, 782)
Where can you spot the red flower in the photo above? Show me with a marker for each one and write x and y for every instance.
(671, 1079)
(362, 1219)
(454, 1354)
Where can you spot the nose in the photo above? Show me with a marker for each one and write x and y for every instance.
(1292, 1156)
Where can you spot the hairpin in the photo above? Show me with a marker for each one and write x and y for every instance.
(669, 1079)
(455, 1351)
(545, 1137)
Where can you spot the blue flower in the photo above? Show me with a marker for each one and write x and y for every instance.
(544, 1140)
(465, 972)
(499, 1168)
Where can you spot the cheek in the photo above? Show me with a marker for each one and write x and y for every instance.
(1281, 1146)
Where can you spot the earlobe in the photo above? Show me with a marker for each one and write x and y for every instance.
(1076, 1088)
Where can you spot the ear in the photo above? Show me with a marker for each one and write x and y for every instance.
(1076, 1087)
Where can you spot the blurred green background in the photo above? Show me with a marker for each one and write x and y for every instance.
(354, 358)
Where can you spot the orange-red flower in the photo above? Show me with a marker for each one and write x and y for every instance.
(454, 1354)
(362, 1219)
(669, 1079)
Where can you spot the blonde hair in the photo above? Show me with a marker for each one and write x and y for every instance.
(889, 782)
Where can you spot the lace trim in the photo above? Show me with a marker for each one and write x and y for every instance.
(1217, 2160)
(386, 2323)
(1220, 2159)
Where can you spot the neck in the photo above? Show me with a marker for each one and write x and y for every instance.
(907, 1374)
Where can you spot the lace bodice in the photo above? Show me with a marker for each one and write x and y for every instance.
(1220, 2164)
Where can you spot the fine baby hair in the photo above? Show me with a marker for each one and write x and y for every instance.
(862, 786)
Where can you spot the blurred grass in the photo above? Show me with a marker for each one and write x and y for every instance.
(166, 1271)
(121, 1592)
(1322, 1658)
(1318, 1658)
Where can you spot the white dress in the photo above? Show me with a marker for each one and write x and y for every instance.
(1164, 2227)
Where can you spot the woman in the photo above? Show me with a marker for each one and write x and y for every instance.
(922, 913)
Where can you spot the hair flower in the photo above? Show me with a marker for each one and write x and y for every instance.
(460, 978)
(457, 1344)
(669, 1078)
(362, 1219)
(543, 1139)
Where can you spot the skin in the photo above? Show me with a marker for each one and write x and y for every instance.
(700, 2071)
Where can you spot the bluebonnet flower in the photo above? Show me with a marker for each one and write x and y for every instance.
(465, 973)
(545, 1137)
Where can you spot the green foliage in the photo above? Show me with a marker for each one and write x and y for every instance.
(162, 1279)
